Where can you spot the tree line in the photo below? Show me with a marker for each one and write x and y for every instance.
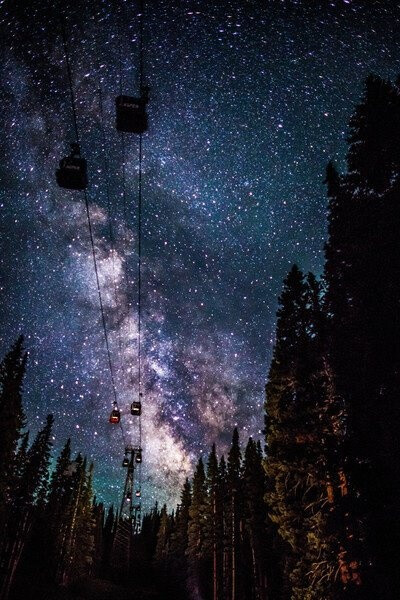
(312, 512)
(50, 522)
(218, 542)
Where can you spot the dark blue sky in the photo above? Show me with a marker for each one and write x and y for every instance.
(248, 102)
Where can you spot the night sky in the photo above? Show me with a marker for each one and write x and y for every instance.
(249, 100)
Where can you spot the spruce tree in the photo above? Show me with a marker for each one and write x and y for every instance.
(148, 540)
(223, 528)
(295, 432)
(96, 568)
(279, 406)
(325, 428)
(21, 457)
(35, 478)
(60, 478)
(212, 535)
(12, 417)
(197, 516)
(28, 502)
(163, 539)
(83, 544)
(108, 538)
(363, 286)
(374, 155)
(260, 561)
(67, 541)
(179, 537)
(57, 521)
(233, 517)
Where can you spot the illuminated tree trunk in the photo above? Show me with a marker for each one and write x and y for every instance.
(256, 581)
(14, 551)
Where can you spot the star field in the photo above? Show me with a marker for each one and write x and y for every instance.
(248, 102)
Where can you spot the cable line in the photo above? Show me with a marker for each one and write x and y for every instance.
(109, 214)
(140, 279)
(71, 87)
(103, 319)
(140, 187)
(122, 138)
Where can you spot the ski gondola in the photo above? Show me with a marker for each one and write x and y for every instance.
(131, 115)
(72, 171)
(115, 416)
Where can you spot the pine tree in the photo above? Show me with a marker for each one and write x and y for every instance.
(280, 417)
(60, 479)
(261, 556)
(12, 418)
(325, 429)
(43, 555)
(223, 528)
(28, 501)
(21, 457)
(179, 537)
(212, 539)
(163, 539)
(234, 516)
(296, 462)
(108, 538)
(83, 543)
(146, 545)
(67, 541)
(98, 548)
(374, 155)
(57, 513)
(79, 542)
(35, 478)
(197, 516)
(363, 287)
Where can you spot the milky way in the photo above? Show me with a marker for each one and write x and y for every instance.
(248, 102)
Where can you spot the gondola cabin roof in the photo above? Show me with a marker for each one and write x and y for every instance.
(129, 102)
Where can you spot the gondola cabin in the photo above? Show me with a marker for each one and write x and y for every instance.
(138, 494)
(136, 409)
(138, 455)
(115, 416)
(131, 114)
(72, 172)
(125, 462)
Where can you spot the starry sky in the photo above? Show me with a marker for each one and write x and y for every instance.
(249, 100)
